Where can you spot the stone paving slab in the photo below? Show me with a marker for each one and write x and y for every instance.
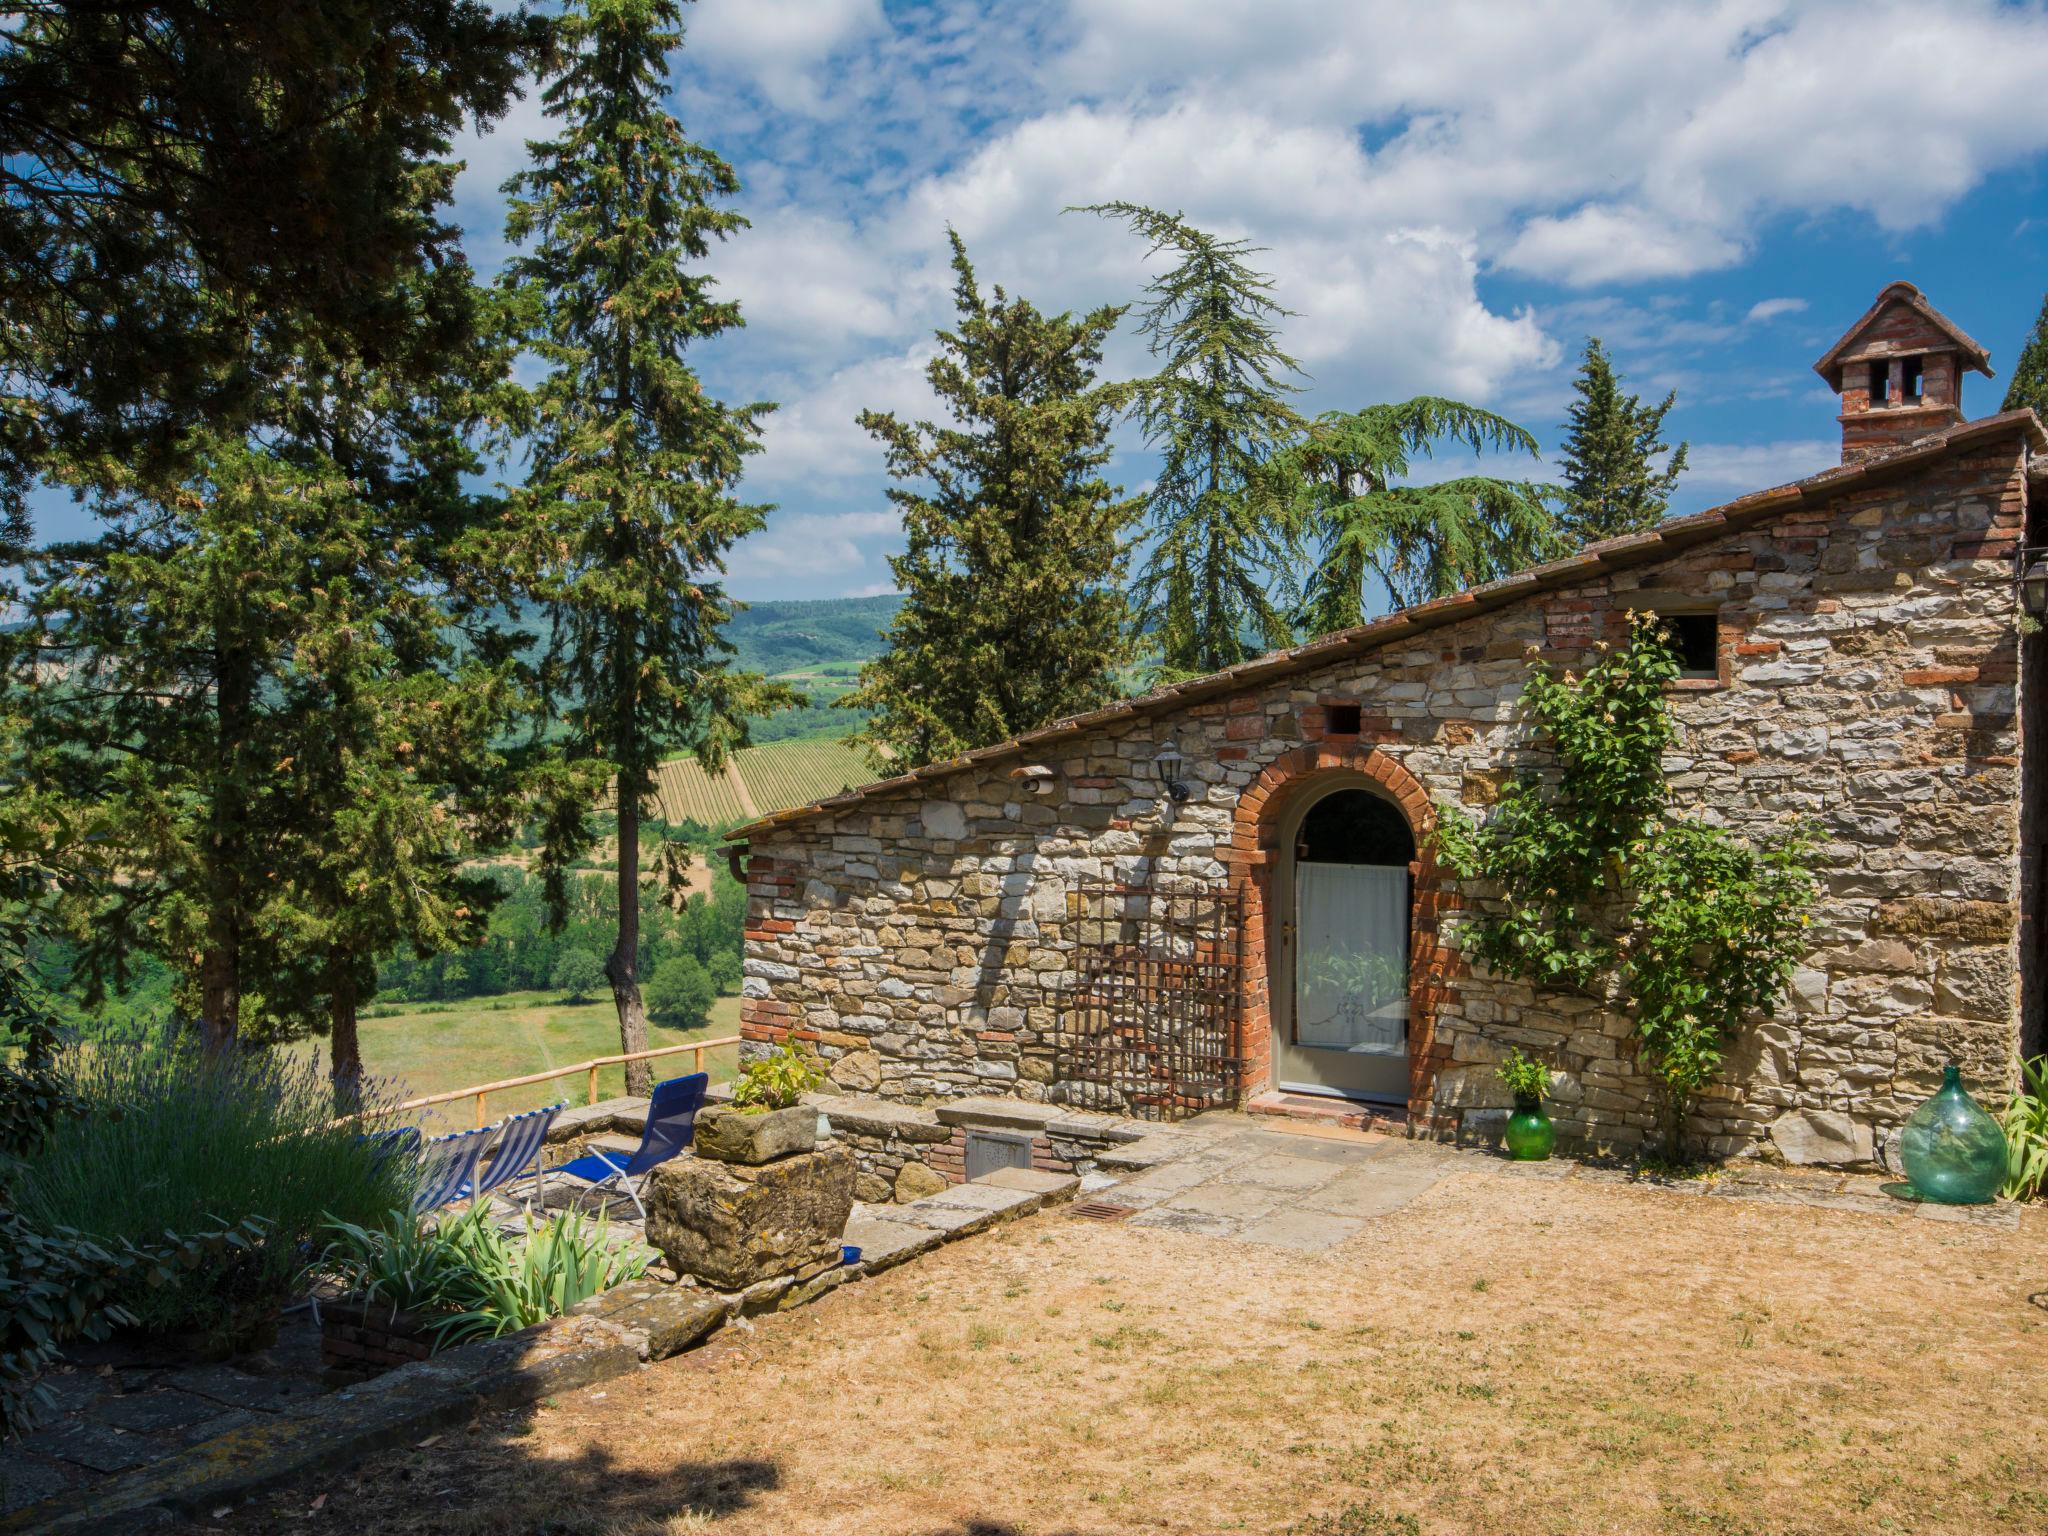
(1240, 1202)
(1284, 1171)
(1347, 1151)
(1198, 1223)
(1363, 1193)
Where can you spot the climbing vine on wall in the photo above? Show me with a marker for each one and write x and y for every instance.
(1603, 887)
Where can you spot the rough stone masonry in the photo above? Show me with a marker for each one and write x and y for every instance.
(1866, 674)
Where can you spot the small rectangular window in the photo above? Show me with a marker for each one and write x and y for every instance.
(1343, 719)
(1696, 637)
(1911, 389)
(1880, 383)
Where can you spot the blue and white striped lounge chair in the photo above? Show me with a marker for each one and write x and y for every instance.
(448, 1168)
(671, 1122)
(398, 1141)
(518, 1148)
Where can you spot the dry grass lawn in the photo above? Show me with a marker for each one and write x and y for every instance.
(1504, 1355)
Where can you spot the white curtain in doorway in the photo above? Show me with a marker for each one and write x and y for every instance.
(1351, 977)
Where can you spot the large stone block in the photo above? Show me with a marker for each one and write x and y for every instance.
(728, 1135)
(731, 1226)
(1821, 1136)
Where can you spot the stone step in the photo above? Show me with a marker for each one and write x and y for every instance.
(1051, 1188)
(1148, 1152)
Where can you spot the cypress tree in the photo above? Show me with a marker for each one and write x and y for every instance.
(2029, 387)
(197, 190)
(1212, 588)
(1012, 612)
(1415, 541)
(628, 508)
(1611, 485)
(250, 660)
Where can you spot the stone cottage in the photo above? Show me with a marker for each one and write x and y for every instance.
(1223, 892)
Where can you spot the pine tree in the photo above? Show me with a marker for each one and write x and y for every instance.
(629, 505)
(1012, 612)
(1415, 542)
(2029, 387)
(1211, 591)
(1612, 485)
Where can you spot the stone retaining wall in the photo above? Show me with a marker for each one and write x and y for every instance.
(1867, 682)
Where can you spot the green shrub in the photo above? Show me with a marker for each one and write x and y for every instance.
(169, 1139)
(778, 1079)
(59, 1285)
(576, 975)
(1686, 926)
(2026, 1133)
(1523, 1075)
(680, 993)
(464, 1269)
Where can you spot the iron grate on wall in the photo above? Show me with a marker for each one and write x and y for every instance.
(1149, 1026)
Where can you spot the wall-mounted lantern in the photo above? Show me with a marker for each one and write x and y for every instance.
(1034, 779)
(1168, 765)
(2031, 567)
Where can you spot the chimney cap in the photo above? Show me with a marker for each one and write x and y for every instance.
(1902, 292)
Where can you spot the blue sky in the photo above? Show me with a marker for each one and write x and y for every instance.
(1452, 195)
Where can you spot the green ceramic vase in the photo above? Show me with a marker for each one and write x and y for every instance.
(1529, 1135)
(1953, 1151)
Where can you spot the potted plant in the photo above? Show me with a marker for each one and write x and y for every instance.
(767, 1117)
(1529, 1135)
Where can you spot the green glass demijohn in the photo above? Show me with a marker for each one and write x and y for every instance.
(1953, 1151)
(1529, 1135)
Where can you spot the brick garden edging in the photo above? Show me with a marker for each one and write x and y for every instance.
(608, 1335)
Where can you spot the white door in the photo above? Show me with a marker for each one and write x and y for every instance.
(1350, 982)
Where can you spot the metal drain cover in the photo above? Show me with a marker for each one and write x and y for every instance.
(1102, 1210)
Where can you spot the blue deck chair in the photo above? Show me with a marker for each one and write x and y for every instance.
(518, 1148)
(399, 1141)
(671, 1121)
(448, 1168)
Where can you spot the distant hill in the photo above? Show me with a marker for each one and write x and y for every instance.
(782, 637)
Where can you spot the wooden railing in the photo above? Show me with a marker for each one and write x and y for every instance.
(482, 1091)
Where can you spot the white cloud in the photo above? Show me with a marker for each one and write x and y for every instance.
(1765, 310)
(815, 438)
(838, 545)
(1397, 162)
(1605, 243)
(780, 43)
(1738, 468)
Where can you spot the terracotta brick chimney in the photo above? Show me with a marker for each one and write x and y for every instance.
(1899, 371)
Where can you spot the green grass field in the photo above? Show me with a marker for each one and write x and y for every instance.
(434, 1047)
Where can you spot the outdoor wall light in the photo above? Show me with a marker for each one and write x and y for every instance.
(2032, 566)
(1167, 765)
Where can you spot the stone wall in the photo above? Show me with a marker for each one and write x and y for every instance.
(1866, 681)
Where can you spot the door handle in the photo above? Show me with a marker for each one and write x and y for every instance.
(1287, 931)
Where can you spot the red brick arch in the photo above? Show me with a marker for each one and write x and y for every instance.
(1253, 854)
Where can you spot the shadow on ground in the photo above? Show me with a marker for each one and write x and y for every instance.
(485, 1479)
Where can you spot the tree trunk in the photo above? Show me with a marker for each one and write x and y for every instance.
(220, 965)
(220, 986)
(345, 1048)
(623, 969)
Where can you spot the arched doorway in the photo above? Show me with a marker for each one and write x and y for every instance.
(1344, 888)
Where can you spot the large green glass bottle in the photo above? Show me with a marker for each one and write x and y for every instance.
(1529, 1135)
(1953, 1151)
